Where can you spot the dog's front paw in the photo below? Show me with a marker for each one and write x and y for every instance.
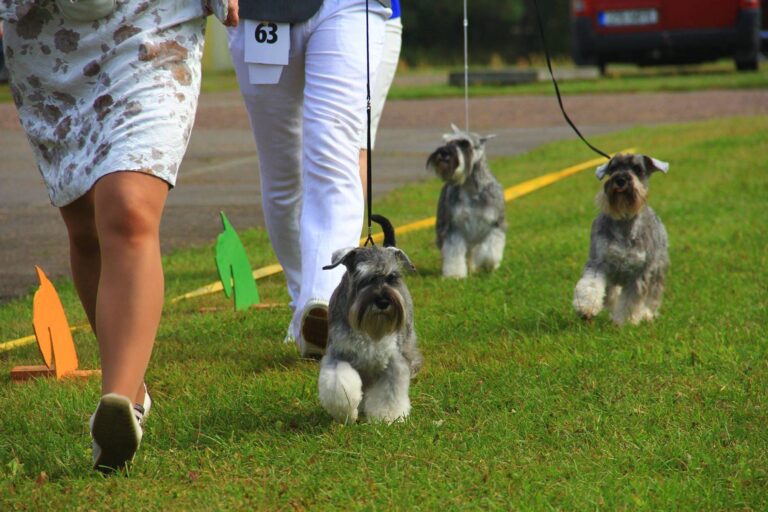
(589, 295)
(341, 390)
(454, 253)
(455, 269)
(381, 406)
(487, 255)
(634, 317)
(388, 415)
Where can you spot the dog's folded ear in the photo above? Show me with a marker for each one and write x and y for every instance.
(652, 164)
(486, 138)
(600, 171)
(449, 136)
(344, 256)
(403, 258)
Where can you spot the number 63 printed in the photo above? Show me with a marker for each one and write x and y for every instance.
(266, 33)
(267, 42)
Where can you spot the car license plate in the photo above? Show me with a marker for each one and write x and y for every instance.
(628, 17)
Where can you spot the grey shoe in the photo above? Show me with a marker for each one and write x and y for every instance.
(313, 337)
(116, 429)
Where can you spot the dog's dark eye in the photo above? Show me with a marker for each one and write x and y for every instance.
(366, 282)
(392, 278)
(464, 144)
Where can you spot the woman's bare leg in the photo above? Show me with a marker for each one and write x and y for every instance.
(364, 172)
(84, 254)
(85, 259)
(136, 201)
(128, 207)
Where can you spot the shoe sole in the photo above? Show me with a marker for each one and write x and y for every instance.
(314, 331)
(114, 431)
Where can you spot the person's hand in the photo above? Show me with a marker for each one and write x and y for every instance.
(233, 18)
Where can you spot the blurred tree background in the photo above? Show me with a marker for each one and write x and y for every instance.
(500, 31)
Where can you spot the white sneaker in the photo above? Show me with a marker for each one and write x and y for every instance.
(313, 336)
(116, 431)
(289, 337)
(141, 411)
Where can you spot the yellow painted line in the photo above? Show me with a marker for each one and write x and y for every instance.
(416, 226)
(28, 340)
(542, 181)
(259, 273)
(510, 194)
(9, 345)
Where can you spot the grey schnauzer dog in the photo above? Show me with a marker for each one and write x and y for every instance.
(628, 255)
(372, 352)
(471, 229)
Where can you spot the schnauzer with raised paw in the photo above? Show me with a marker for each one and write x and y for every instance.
(628, 255)
(372, 353)
(471, 229)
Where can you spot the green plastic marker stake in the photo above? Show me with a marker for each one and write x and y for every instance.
(234, 267)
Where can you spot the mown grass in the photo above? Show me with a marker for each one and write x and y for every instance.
(520, 405)
(620, 79)
(645, 81)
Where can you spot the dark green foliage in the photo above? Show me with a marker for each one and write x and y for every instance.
(433, 30)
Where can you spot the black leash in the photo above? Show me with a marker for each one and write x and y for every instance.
(557, 89)
(465, 24)
(369, 156)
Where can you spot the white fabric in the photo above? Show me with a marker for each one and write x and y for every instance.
(114, 94)
(385, 73)
(307, 129)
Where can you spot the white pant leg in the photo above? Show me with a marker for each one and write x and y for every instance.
(385, 73)
(275, 113)
(334, 110)
(311, 193)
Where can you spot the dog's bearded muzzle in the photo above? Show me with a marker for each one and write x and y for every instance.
(445, 162)
(377, 312)
(623, 196)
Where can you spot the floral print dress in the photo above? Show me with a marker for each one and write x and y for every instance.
(115, 94)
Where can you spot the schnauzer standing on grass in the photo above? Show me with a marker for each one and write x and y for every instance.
(470, 212)
(372, 352)
(628, 256)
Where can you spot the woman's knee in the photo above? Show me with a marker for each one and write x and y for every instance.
(127, 221)
(81, 225)
(84, 239)
(128, 209)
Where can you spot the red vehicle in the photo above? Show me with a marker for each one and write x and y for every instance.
(648, 32)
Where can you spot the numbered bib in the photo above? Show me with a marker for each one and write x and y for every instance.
(267, 48)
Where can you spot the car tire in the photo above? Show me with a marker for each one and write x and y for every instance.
(749, 64)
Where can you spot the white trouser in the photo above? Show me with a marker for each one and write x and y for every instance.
(385, 73)
(307, 130)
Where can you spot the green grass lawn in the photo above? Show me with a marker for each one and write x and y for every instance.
(520, 404)
(620, 79)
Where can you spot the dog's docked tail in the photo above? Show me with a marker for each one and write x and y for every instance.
(386, 227)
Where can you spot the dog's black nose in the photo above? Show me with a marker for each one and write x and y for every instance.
(382, 302)
(620, 181)
(443, 153)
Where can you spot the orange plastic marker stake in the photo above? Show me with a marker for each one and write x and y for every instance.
(54, 337)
